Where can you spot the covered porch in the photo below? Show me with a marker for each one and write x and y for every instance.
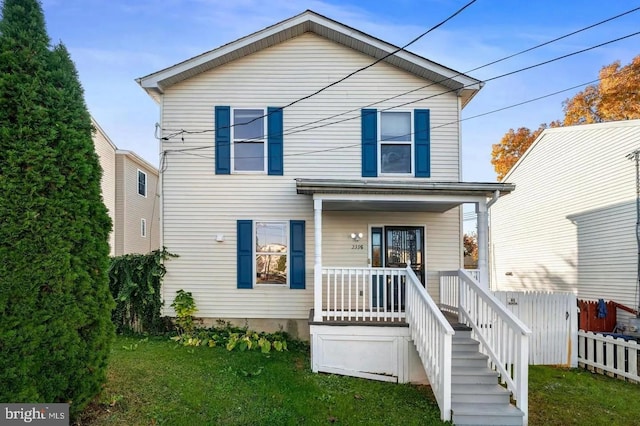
(386, 320)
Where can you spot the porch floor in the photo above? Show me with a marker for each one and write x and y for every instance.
(395, 322)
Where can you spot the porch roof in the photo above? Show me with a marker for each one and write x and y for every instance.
(399, 195)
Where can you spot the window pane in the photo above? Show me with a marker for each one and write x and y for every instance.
(396, 158)
(271, 237)
(271, 269)
(395, 126)
(248, 155)
(250, 130)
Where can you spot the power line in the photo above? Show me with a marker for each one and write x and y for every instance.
(187, 151)
(351, 74)
(290, 130)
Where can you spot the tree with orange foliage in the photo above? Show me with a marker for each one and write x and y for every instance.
(615, 97)
(513, 144)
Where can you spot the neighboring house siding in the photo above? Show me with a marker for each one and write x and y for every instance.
(200, 205)
(570, 223)
(106, 151)
(132, 207)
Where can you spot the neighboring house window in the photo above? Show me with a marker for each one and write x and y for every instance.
(272, 250)
(396, 143)
(246, 146)
(142, 183)
(143, 228)
(249, 145)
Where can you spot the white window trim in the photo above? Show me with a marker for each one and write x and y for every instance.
(143, 228)
(146, 183)
(256, 284)
(264, 140)
(410, 142)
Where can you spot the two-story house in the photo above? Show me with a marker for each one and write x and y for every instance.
(316, 208)
(129, 191)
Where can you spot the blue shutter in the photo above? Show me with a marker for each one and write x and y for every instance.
(223, 140)
(274, 141)
(297, 255)
(369, 142)
(245, 254)
(422, 137)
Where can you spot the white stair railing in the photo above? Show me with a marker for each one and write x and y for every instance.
(432, 335)
(502, 336)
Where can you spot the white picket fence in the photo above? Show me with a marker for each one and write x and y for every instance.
(609, 355)
(553, 320)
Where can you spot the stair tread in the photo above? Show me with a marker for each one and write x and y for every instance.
(475, 408)
(469, 355)
(464, 341)
(485, 371)
(474, 389)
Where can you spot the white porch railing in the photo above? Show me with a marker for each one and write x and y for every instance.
(502, 336)
(395, 295)
(362, 294)
(432, 335)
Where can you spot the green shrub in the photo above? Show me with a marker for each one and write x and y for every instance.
(135, 281)
(55, 305)
(185, 307)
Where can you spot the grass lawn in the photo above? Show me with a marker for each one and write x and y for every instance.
(155, 381)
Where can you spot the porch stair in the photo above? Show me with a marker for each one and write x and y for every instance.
(476, 396)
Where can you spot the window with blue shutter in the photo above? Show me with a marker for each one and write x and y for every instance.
(422, 140)
(369, 122)
(297, 254)
(223, 140)
(274, 141)
(245, 254)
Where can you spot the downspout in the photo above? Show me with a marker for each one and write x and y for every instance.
(483, 239)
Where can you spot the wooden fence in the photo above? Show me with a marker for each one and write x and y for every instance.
(609, 355)
(552, 318)
(589, 320)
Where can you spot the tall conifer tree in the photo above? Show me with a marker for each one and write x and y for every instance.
(55, 329)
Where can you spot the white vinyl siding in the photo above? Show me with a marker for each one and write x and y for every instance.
(570, 223)
(131, 207)
(198, 205)
(106, 151)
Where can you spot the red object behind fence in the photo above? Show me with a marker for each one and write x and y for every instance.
(589, 320)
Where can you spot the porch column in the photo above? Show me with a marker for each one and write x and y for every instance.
(483, 242)
(317, 270)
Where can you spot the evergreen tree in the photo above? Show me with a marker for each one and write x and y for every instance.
(55, 328)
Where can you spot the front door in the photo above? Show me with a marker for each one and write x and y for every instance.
(394, 247)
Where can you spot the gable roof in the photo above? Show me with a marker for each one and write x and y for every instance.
(155, 84)
(578, 134)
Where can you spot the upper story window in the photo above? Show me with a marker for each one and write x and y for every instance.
(142, 183)
(272, 248)
(249, 147)
(396, 143)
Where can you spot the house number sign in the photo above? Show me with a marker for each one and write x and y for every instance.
(357, 247)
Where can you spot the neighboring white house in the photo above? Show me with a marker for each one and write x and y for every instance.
(571, 224)
(327, 215)
(129, 191)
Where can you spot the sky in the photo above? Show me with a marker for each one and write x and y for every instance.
(113, 42)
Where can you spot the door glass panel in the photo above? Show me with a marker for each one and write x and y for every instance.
(376, 247)
(405, 244)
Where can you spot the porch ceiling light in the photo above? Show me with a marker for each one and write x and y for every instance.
(356, 237)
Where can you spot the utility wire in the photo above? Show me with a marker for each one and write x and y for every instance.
(289, 131)
(188, 151)
(351, 74)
